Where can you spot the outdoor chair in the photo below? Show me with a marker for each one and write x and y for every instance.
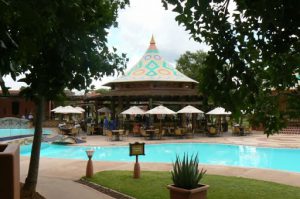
(126, 134)
(248, 130)
(109, 135)
(236, 130)
(90, 130)
(156, 134)
(144, 134)
(179, 133)
(121, 134)
(74, 131)
(136, 130)
(161, 134)
(212, 131)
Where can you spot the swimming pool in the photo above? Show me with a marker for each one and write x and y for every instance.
(20, 132)
(286, 159)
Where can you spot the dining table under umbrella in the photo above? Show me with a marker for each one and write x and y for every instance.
(65, 110)
(160, 110)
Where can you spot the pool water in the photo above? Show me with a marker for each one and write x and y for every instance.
(216, 154)
(20, 132)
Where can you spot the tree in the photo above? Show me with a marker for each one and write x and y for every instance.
(254, 56)
(56, 45)
(193, 64)
(102, 90)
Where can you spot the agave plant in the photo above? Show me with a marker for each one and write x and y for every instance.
(185, 172)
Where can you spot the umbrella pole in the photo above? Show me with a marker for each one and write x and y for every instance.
(160, 125)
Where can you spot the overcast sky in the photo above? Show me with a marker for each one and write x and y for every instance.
(132, 36)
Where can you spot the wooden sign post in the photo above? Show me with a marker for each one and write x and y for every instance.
(136, 149)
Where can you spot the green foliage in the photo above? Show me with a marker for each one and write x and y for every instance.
(193, 65)
(152, 185)
(254, 49)
(102, 90)
(59, 44)
(185, 173)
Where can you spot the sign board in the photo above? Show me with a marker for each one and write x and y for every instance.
(136, 149)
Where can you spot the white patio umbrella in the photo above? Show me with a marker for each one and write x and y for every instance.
(134, 110)
(80, 109)
(189, 109)
(104, 110)
(160, 110)
(218, 111)
(68, 110)
(57, 109)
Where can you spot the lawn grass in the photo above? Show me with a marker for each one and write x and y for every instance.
(152, 185)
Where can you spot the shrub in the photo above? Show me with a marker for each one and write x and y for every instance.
(185, 173)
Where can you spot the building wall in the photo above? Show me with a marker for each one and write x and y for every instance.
(14, 106)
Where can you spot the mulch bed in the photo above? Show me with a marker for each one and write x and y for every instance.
(105, 190)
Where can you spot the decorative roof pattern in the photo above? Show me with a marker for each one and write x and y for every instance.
(152, 67)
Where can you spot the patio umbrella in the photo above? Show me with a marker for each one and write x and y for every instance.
(57, 109)
(68, 110)
(219, 111)
(189, 109)
(104, 110)
(160, 110)
(80, 109)
(134, 110)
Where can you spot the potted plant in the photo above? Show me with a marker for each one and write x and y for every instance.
(186, 179)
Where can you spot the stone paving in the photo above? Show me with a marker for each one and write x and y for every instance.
(56, 176)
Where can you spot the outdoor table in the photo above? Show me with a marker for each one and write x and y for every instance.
(116, 134)
(151, 133)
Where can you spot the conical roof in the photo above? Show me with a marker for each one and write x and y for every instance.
(152, 67)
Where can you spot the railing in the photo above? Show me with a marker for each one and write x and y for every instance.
(14, 123)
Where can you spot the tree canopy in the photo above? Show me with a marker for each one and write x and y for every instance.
(254, 56)
(56, 45)
(59, 44)
(192, 64)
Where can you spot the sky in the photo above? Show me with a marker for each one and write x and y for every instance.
(136, 24)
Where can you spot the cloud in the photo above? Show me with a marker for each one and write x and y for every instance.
(136, 25)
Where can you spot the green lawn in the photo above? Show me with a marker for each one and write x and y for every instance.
(152, 185)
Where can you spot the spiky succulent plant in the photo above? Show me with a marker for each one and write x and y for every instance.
(185, 173)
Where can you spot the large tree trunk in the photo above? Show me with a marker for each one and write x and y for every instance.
(29, 188)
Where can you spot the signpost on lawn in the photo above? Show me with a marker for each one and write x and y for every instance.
(136, 149)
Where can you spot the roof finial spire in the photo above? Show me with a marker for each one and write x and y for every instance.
(152, 40)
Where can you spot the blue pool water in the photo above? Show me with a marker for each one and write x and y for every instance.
(216, 154)
(20, 132)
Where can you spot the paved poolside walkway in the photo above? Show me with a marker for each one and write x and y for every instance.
(56, 176)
